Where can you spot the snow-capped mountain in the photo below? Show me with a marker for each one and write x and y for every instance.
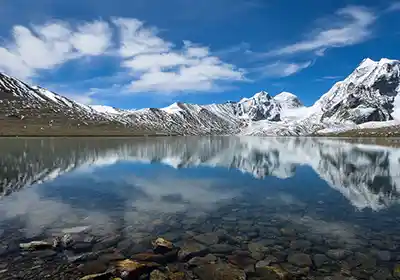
(367, 175)
(370, 93)
(368, 97)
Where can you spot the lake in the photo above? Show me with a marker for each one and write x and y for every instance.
(224, 208)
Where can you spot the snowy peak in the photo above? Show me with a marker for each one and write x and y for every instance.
(259, 107)
(369, 72)
(107, 109)
(261, 96)
(288, 100)
(367, 94)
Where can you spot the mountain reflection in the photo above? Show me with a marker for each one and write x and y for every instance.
(368, 176)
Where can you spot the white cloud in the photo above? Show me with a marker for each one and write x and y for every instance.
(86, 99)
(136, 39)
(158, 66)
(92, 38)
(283, 69)
(325, 78)
(350, 26)
(395, 6)
(44, 47)
(151, 63)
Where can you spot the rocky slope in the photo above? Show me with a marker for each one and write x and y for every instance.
(367, 98)
(368, 176)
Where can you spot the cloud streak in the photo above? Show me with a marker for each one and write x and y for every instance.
(282, 69)
(351, 25)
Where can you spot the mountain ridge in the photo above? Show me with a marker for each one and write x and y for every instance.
(369, 94)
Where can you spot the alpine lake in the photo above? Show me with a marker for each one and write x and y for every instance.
(205, 208)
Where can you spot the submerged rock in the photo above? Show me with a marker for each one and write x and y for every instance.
(272, 272)
(196, 261)
(150, 257)
(338, 254)
(384, 256)
(257, 250)
(300, 259)
(244, 262)
(320, 260)
(191, 249)
(158, 275)
(221, 248)
(99, 276)
(161, 245)
(75, 230)
(221, 271)
(132, 269)
(207, 238)
(93, 267)
(36, 245)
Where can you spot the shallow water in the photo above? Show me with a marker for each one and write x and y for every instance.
(309, 208)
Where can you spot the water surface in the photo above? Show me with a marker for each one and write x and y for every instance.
(310, 207)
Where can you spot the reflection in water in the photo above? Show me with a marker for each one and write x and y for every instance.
(252, 189)
(368, 176)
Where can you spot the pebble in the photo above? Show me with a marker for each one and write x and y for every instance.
(384, 256)
(300, 259)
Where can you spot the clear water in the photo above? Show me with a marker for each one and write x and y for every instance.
(333, 201)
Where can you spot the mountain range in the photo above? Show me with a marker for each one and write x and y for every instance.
(368, 98)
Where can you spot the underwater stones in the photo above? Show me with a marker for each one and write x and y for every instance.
(320, 260)
(158, 275)
(149, 257)
(273, 272)
(110, 257)
(268, 260)
(207, 238)
(244, 262)
(382, 273)
(295, 272)
(46, 253)
(338, 254)
(220, 271)
(384, 256)
(93, 267)
(300, 245)
(257, 250)
(221, 248)
(36, 245)
(98, 276)
(300, 259)
(161, 245)
(191, 249)
(75, 230)
(396, 270)
(81, 247)
(131, 269)
(197, 261)
(288, 231)
(107, 242)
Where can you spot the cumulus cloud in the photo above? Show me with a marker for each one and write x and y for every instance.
(150, 62)
(44, 47)
(159, 66)
(351, 25)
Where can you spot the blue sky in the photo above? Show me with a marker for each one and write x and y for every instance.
(150, 53)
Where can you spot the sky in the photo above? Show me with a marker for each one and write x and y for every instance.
(151, 53)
